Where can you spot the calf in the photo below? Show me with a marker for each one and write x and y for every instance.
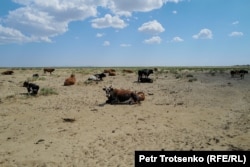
(70, 81)
(121, 96)
(97, 77)
(50, 70)
(31, 88)
(145, 73)
(9, 72)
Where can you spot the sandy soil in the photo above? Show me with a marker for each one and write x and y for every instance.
(210, 113)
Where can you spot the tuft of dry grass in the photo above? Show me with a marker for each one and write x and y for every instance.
(48, 91)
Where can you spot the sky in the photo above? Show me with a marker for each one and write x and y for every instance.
(46, 33)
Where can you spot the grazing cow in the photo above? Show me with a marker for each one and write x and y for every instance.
(97, 77)
(70, 81)
(50, 70)
(241, 73)
(32, 88)
(145, 73)
(9, 72)
(121, 96)
(35, 75)
(127, 71)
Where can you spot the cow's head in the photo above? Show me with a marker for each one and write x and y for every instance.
(102, 75)
(150, 71)
(26, 84)
(108, 90)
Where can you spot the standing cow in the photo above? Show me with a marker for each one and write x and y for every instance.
(50, 70)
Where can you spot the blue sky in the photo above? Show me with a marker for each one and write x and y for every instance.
(38, 33)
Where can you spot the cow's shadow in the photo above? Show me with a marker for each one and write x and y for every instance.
(28, 94)
(144, 80)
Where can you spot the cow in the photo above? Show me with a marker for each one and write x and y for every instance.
(145, 73)
(9, 72)
(241, 73)
(50, 70)
(70, 81)
(127, 71)
(31, 88)
(97, 77)
(112, 73)
(35, 75)
(122, 96)
(109, 70)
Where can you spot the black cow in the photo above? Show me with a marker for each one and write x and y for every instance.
(35, 75)
(100, 76)
(241, 73)
(32, 88)
(97, 77)
(145, 73)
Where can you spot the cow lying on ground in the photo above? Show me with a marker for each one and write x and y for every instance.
(35, 75)
(31, 88)
(109, 70)
(240, 73)
(50, 70)
(112, 74)
(9, 72)
(121, 96)
(145, 73)
(127, 71)
(70, 81)
(97, 77)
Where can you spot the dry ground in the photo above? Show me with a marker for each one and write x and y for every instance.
(210, 113)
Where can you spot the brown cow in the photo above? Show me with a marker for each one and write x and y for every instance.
(9, 72)
(141, 96)
(70, 81)
(112, 73)
(50, 70)
(109, 70)
(127, 71)
(122, 96)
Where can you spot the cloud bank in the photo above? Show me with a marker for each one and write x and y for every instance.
(41, 20)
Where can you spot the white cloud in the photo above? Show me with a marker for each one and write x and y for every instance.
(174, 12)
(151, 27)
(235, 22)
(99, 35)
(177, 39)
(108, 21)
(106, 43)
(9, 35)
(236, 34)
(126, 7)
(41, 20)
(125, 45)
(204, 34)
(153, 40)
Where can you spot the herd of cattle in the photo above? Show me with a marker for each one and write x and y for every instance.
(115, 96)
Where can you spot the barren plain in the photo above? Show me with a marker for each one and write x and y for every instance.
(184, 109)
